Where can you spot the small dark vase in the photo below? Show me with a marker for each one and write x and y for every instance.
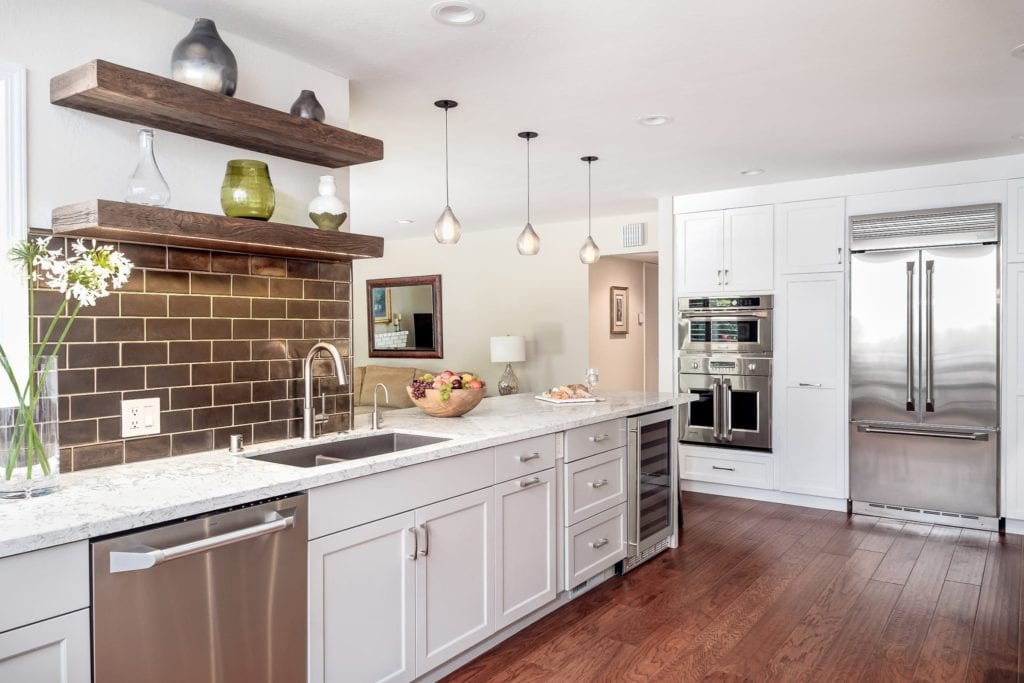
(308, 107)
(203, 60)
(247, 191)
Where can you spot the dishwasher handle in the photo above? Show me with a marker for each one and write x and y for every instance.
(145, 557)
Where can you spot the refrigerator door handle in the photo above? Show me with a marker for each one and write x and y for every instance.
(716, 386)
(910, 336)
(929, 353)
(971, 436)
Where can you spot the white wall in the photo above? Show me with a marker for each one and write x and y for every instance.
(74, 156)
(488, 289)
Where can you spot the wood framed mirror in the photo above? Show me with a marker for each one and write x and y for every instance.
(403, 317)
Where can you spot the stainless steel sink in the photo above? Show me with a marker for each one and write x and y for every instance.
(314, 455)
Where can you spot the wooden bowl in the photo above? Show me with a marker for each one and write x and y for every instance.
(460, 402)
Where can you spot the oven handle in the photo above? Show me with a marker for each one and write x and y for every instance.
(145, 557)
(727, 400)
(716, 386)
(711, 313)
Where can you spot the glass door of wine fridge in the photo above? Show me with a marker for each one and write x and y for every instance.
(653, 482)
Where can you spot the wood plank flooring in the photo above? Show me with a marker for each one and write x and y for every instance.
(761, 591)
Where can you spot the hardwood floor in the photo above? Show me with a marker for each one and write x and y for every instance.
(761, 591)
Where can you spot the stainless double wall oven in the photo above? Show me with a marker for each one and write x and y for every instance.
(725, 358)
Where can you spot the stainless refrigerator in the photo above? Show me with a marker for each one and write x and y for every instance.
(924, 365)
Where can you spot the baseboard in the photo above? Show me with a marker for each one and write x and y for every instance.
(1014, 526)
(765, 495)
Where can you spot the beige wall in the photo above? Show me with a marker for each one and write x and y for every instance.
(488, 289)
(651, 307)
(619, 358)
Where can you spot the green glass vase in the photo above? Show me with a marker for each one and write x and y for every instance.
(247, 191)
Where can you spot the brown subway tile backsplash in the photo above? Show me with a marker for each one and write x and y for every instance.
(217, 337)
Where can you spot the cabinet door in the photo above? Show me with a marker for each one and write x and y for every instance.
(812, 319)
(1014, 229)
(749, 264)
(51, 651)
(813, 459)
(454, 589)
(524, 548)
(699, 249)
(811, 236)
(361, 600)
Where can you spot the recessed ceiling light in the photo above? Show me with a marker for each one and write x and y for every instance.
(1018, 51)
(752, 171)
(1017, 137)
(405, 221)
(456, 13)
(654, 120)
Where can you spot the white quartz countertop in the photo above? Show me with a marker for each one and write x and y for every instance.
(108, 500)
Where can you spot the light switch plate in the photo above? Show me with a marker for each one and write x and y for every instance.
(140, 417)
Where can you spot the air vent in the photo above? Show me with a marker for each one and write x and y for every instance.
(908, 513)
(634, 234)
(959, 225)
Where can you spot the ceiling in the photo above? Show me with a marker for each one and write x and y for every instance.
(800, 88)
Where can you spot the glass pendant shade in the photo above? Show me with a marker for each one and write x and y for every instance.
(589, 253)
(447, 229)
(528, 242)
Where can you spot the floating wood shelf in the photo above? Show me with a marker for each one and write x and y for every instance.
(118, 221)
(118, 92)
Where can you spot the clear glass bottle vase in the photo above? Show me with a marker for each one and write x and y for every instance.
(147, 185)
(29, 448)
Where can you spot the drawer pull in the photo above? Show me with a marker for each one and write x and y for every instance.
(528, 457)
(816, 385)
(727, 469)
(523, 483)
(597, 484)
(598, 438)
(598, 543)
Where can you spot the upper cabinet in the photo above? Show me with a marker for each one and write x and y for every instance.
(811, 236)
(724, 251)
(1013, 232)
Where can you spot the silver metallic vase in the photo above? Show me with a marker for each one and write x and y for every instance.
(308, 107)
(203, 60)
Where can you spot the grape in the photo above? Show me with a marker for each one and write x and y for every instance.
(419, 388)
(456, 383)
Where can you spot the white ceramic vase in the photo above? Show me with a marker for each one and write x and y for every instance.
(326, 210)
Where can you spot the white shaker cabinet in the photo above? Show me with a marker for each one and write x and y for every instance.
(810, 236)
(454, 585)
(362, 585)
(810, 385)
(725, 251)
(524, 549)
(1013, 233)
(51, 651)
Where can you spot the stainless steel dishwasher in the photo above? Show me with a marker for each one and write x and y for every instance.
(218, 598)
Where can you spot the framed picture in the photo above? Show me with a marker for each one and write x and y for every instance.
(619, 310)
(380, 303)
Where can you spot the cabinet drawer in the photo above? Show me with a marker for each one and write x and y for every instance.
(596, 438)
(594, 484)
(749, 470)
(595, 544)
(44, 583)
(516, 459)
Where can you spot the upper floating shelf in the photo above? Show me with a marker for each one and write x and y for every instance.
(121, 222)
(118, 92)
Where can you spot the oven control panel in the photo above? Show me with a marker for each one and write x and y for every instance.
(738, 303)
(721, 364)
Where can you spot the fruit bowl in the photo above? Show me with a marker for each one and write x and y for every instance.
(460, 402)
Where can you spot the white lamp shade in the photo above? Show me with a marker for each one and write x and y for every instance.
(508, 349)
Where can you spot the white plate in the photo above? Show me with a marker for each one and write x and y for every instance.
(592, 399)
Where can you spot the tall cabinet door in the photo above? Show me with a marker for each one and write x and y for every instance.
(454, 590)
(811, 459)
(524, 550)
(362, 584)
(959, 349)
(749, 248)
(811, 235)
(699, 246)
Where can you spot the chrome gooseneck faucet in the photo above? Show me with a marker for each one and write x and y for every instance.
(308, 412)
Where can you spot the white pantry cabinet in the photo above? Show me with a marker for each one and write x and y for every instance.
(524, 550)
(811, 236)
(810, 393)
(725, 251)
(55, 650)
(1013, 231)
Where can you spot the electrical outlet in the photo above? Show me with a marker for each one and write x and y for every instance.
(140, 417)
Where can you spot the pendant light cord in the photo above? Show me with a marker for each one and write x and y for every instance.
(527, 180)
(447, 202)
(589, 163)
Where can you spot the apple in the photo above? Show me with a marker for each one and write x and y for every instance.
(476, 384)
(438, 383)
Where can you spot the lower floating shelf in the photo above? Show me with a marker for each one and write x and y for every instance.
(122, 222)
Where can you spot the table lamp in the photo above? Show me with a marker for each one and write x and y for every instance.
(508, 350)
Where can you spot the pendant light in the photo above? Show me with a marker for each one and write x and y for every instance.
(528, 243)
(447, 229)
(589, 253)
